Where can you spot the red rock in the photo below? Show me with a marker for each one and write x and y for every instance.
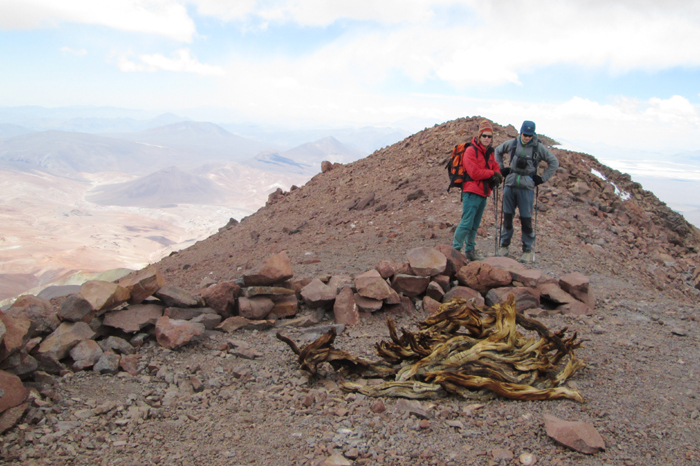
(20, 364)
(501, 454)
(371, 285)
(134, 318)
(76, 309)
(393, 298)
(275, 269)
(338, 282)
(13, 392)
(410, 285)
(443, 281)
(38, 310)
(187, 313)
(103, 296)
(255, 308)
(222, 297)
(317, 294)
(378, 406)
(505, 263)
(210, 321)
(17, 331)
(525, 297)
(284, 306)
(552, 292)
(11, 416)
(64, 338)
(426, 262)
(580, 436)
(386, 268)
(455, 259)
(345, 310)
(430, 305)
(405, 269)
(174, 296)
(108, 363)
(173, 334)
(367, 304)
(85, 354)
(575, 308)
(530, 278)
(129, 363)
(142, 283)
(464, 293)
(482, 277)
(434, 291)
(232, 324)
(578, 286)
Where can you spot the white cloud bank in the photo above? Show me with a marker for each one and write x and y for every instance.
(181, 62)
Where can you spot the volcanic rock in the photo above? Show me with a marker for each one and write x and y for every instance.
(317, 294)
(102, 295)
(578, 286)
(464, 292)
(580, 436)
(85, 354)
(37, 310)
(174, 296)
(372, 285)
(222, 297)
(255, 308)
(409, 285)
(274, 269)
(367, 304)
(525, 297)
(64, 338)
(76, 309)
(345, 310)
(13, 392)
(427, 262)
(455, 259)
(142, 283)
(173, 334)
(482, 277)
(134, 318)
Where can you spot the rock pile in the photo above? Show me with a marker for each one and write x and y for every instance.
(102, 327)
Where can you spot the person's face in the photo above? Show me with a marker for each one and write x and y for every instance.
(526, 138)
(486, 138)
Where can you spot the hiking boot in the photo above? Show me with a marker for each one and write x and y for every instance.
(502, 251)
(473, 255)
(527, 257)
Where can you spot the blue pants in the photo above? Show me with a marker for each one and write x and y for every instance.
(473, 207)
(523, 199)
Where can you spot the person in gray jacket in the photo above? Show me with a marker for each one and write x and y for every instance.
(521, 178)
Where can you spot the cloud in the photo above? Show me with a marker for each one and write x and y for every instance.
(162, 17)
(68, 50)
(181, 62)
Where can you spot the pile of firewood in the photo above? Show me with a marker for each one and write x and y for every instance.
(469, 352)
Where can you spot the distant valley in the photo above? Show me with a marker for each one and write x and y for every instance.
(76, 203)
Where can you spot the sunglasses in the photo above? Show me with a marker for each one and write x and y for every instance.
(526, 135)
(489, 136)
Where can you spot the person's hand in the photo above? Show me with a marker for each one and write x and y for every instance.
(505, 172)
(538, 180)
(497, 178)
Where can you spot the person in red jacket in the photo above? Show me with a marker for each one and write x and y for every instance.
(483, 173)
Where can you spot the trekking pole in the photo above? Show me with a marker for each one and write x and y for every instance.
(534, 244)
(495, 219)
(500, 226)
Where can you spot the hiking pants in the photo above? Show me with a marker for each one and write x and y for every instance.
(473, 207)
(523, 199)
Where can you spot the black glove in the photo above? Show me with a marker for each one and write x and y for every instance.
(537, 179)
(496, 178)
(505, 172)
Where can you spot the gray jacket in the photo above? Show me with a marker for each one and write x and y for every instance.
(522, 177)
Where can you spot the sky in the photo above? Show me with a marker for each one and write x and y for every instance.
(592, 73)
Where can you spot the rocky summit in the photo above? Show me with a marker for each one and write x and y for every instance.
(184, 362)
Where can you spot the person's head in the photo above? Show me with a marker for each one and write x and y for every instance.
(527, 130)
(485, 135)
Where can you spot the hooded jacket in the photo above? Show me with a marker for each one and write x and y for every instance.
(476, 166)
(523, 165)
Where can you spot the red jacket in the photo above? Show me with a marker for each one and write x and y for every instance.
(476, 167)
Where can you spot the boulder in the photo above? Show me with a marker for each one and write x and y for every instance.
(552, 292)
(371, 285)
(525, 297)
(222, 298)
(580, 436)
(116, 345)
(338, 282)
(232, 324)
(130, 363)
(427, 262)
(409, 285)
(210, 321)
(430, 305)
(284, 306)
(21, 364)
(142, 284)
(394, 297)
(274, 269)
(173, 334)
(464, 293)
(76, 309)
(85, 354)
(345, 311)
(527, 277)
(17, 331)
(255, 308)
(455, 259)
(134, 318)
(443, 281)
(505, 263)
(367, 304)
(12, 416)
(435, 291)
(13, 391)
(64, 338)
(103, 296)
(482, 277)
(386, 268)
(107, 364)
(38, 310)
(186, 313)
(578, 286)
(174, 296)
(317, 294)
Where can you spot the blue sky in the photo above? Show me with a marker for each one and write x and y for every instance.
(611, 73)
